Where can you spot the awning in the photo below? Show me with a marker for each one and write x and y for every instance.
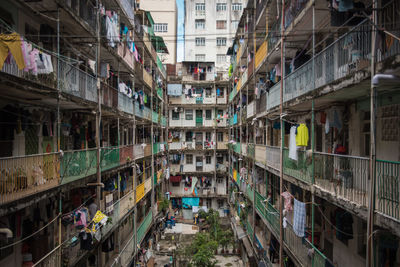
(189, 202)
(150, 18)
(159, 44)
(175, 179)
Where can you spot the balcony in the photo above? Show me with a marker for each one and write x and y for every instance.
(147, 79)
(251, 151)
(261, 153)
(76, 82)
(126, 55)
(273, 155)
(250, 192)
(84, 10)
(343, 176)
(26, 175)
(221, 100)
(78, 164)
(161, 67)
(175, 145)
(110, 96)
(147, 150)
(126, 154)
(222, 145)
(251, 109)
(267, 212)
(159, 147)
(120, 208)
(109, 158)
(261, 54)
(144, 226)
(300, 169)
(243, 80)
(143, 112)
(154, 117)
(331, 64)
(125, 104)
(237, 147)
(163, 121)
(160, 93)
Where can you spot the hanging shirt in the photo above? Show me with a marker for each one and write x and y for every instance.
(299, 218)
(292, 143)
(302, 135)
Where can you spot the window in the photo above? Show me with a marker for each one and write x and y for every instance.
(189, 114)
(220, 112)
(200, 57)
(221, 24)
(208, 92)
(160, 27)
(200, 24)
(235, 24)
(200, 41)
(220, 180)
(189, 159)
(220, 92)
(220, 160)
(236, 6)
(221, 41)
(175, 115)
(208, 136)
(220, 203)
(176, 184)
(208, 114)
(221, 6)
(220, 136)
(208, 159)
(189, 136)
(200, 8)
(221, 58)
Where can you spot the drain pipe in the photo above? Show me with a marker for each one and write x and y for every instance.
(7, 232)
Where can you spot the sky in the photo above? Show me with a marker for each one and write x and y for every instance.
(181, 30)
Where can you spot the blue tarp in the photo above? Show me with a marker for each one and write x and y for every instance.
(188, 202)
(175, 89)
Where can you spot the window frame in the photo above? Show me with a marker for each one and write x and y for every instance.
(203, 57)
(218, 22)
(221, 7)
(221, 41)
(160, 27)
(174, 117)
(200, 41)
(210, 113)
(208, 160)
(237, 7)
(221, 58)
(200, 22)
(188, 114)
(189, 156)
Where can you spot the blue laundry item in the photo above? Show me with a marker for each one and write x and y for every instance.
(345, 5)
(299, 218)
(189, 202)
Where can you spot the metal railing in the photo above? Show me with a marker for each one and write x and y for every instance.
(144, 226)
(125, 103)
(77, 164)
(77, 82)
(388, 188)
(343, 176)
(126, 154)
(109, 96)
(273, 156)
(52, 259)
(26, 175)
(268, 212)
(109, 158)
(300, 169)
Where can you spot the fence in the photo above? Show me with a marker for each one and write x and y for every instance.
(344, 176)
(144, 226)
(78, 164)
(25, 175)
(388, 188)
(300, 169)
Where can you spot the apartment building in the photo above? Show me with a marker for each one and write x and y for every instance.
(197, 139)
(165, 14)
(83, 133)
(209, 29)
(314, 160)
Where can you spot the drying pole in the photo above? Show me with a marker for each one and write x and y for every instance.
(282, 136)
(372, 157)
(313, 132)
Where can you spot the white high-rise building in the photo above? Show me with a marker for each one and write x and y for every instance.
(209, 28)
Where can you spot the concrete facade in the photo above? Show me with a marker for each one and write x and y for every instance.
(165, 14)
(221, 23)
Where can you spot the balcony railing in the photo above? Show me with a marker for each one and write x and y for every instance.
(77, 82)
(268, 212)
(388, 188)
(163, 121)
(78, 164)
(53, 258)
(154, 116)
(26, 175)
(147, 78)
(109, 158)
(251, 109)
(300, 169)
(110, 96)
(261, 153)
(126, 154)
(222, 145)
(273, 157)
(250, 192)
(125, 103)
(144, 226)
(161, 67)
(343, 176)
(334, 62)
(261, 54)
